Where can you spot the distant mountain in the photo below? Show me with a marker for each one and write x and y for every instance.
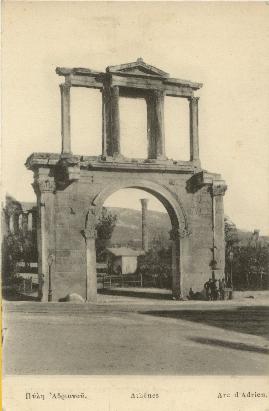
(129, 224)
(128, 228)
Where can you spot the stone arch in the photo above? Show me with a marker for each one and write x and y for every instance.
(175, 211)
(68, 186)
(172, 204)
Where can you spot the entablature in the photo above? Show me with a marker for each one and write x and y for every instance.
(39, 160)
(131, 75)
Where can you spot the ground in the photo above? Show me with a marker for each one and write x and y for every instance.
(131, 334)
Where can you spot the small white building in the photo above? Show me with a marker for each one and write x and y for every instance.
(123, 260)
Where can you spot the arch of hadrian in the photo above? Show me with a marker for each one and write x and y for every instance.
(71, 189)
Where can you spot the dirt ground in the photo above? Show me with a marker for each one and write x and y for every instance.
(135, 335)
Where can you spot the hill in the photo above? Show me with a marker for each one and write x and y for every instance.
(128, 228)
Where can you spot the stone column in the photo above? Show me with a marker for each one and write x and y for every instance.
(194, 136)
(11, 223)
(34, 220)
(25, 222)
(65, 113)
(155, 114)
(145, 239)
(159, 126)
(91, 276)
(115, 121)
(44, 187)
(20, 221)
(16, 222)
(104, 123)
(30, 222)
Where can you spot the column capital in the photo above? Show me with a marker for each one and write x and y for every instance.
(44, 186)
(158, 92)
(155, 95)
(115, 90)
(65, 86)
(43, 183)
(144, 201)
(193, 99)
(218, 189)
(89, 231)
(177, 233)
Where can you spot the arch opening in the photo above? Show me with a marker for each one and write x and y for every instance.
(166, 198)
(163, 247)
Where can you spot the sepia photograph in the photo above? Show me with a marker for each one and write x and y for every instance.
(134, 213)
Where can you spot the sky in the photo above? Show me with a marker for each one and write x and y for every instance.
(223, 45)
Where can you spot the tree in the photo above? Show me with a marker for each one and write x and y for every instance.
(253, 266)
(105, 226)
(17, 247)
(250, 263)
(155, 265)
(231, 234)
(231, 243)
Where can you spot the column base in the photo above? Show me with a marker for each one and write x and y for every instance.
(175, 298)
(91, 300)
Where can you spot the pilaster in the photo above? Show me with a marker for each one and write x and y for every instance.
(44, 187)
(89, 234)
(176, 264)
(218, 241)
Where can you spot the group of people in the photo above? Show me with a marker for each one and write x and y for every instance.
(213, 290)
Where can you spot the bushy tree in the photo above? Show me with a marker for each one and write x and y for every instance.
(155, 265)
(105, 226)
(231, 234)
(250, 263)
(231, 243)
(251, 271)
(17, 247)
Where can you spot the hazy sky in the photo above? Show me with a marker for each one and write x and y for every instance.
(225, 46)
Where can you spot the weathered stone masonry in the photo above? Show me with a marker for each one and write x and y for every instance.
(71, 189)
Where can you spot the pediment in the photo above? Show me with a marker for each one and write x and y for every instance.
(137, 68)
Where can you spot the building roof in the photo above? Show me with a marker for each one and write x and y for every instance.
(139, 67)
(125, 252)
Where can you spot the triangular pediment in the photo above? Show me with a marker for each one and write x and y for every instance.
(137, 68)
